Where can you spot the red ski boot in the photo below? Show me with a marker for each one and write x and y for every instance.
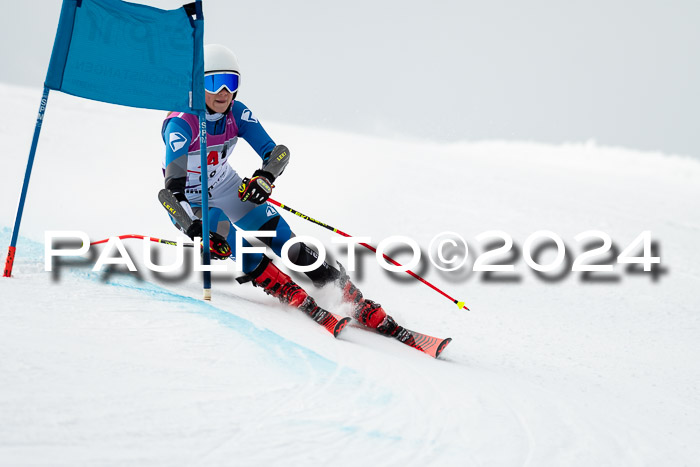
(372, 315)
(278, 284)
(367, 312)
(351, 294)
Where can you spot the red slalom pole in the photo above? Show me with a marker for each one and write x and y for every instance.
(370, 247)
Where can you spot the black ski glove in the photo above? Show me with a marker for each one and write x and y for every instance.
(257, 189)
(218, 246)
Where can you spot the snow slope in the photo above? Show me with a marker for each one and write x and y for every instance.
(107, 368)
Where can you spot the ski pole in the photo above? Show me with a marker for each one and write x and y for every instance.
(370, 247)
(144, 237)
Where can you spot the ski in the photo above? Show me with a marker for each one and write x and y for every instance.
(332, 322)
(430, 345)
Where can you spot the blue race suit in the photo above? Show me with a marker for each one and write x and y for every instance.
(182, 170)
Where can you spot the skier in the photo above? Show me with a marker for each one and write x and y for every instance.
(243, 201)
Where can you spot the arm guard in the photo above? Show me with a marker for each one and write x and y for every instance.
(276, 161)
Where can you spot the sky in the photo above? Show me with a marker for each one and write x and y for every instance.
(615, 72)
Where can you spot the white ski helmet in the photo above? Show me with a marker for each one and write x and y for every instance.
(220, 69)
(218, 58)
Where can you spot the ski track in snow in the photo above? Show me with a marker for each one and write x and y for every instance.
(114, 369)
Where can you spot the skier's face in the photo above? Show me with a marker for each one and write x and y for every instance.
(220, 101)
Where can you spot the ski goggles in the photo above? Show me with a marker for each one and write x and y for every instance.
(215, 82)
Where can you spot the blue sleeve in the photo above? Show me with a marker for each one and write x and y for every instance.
(177, 136)
(250, 129)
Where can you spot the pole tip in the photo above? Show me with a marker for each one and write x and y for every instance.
(461, 305)
(207, 294)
